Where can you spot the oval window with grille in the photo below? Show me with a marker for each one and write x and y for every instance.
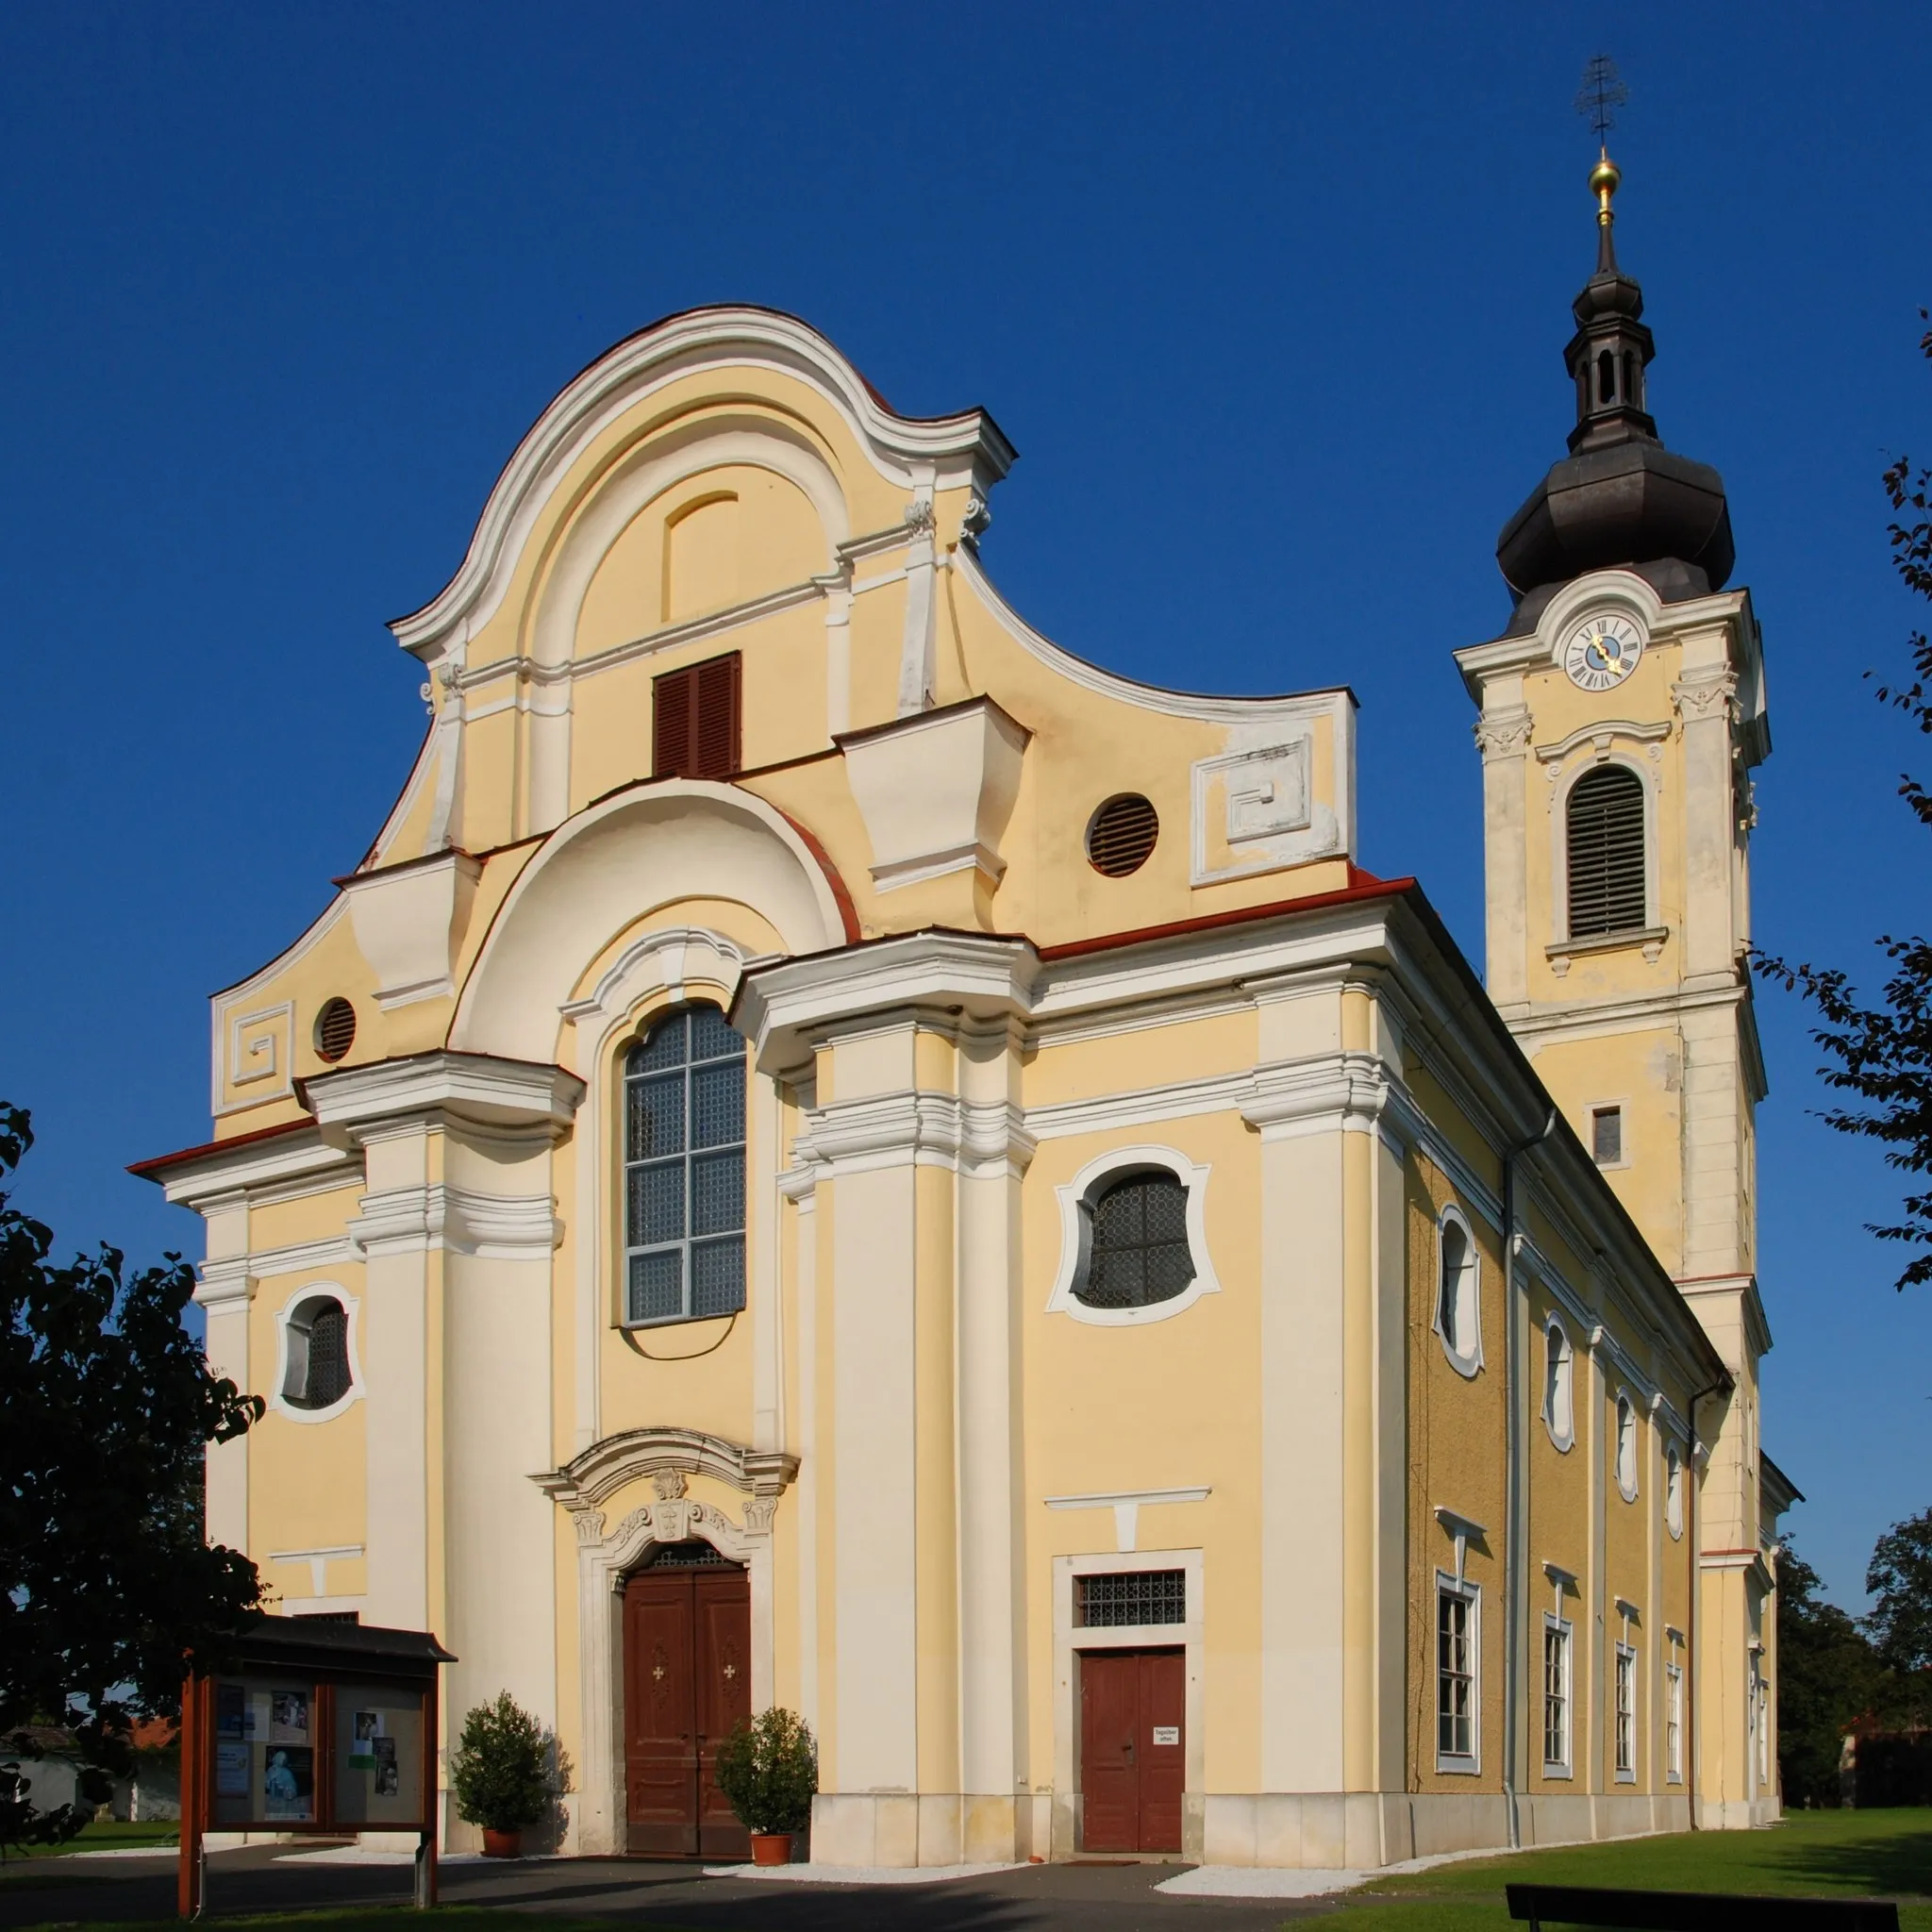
(335, 1028)
(1120, 835)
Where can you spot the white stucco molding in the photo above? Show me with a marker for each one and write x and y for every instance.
(278, 1394)
(965, 449)
(410, 921)
(1076, 1198)
(1126, 1505)
(666, 962)
(936, 789)
(356, 1103)
(605, 1556)
(250, 1053)
(1149, 697)
(298, 1154)
(593, 1477)
(607, 868)
(785, 1003)
(1728, 612)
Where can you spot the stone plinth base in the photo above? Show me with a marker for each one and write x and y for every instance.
(1351, 1831)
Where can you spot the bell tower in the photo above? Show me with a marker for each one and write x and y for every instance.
(1623, 712)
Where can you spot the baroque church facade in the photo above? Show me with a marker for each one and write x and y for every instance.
(834, 1154)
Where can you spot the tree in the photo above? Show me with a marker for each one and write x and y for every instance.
(108, 1580)
(1900, 1578)
(1828, 1677)
(1883, 1054)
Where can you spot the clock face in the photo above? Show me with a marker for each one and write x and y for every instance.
(1602, 649)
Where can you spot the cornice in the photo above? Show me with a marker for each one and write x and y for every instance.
(355, 1103)
(923, 1128)
(596, 1475)
(951, 451)
(296, 1159)
(461, 1220)
(1336, 701)
(782, 1005)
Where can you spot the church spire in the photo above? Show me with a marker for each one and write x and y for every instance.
(1611, 348)
(1620, 499)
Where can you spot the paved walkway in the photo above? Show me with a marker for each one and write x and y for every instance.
(1051, 1898)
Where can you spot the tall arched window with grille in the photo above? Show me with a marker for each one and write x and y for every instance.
(1603, 831)
(684, 1087)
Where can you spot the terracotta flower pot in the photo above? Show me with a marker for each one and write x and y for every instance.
(502, 1845)
(771, 1848)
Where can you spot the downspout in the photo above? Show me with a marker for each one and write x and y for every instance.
(1693, 1780)
(1518, 1480)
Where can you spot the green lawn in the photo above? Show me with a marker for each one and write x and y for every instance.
(106, 1836)
(1886, 1854)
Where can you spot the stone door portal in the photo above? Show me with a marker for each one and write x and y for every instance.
(1133, 1758)
(687, 1682)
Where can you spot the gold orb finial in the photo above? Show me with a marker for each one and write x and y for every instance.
(1604, 179)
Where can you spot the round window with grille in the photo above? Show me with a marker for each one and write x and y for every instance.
(334, 1029)
(1120, 835)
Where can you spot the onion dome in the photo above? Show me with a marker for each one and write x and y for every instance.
(1620, 497)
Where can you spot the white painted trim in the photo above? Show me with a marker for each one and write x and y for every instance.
(318, 1561)
(1319, 828)
(1126, 1505)
(1563, 1439)
(1673, 1492)
(1628, 1480)
(1626, 1775)
(962, 449)
(279, 1400)
(1076, 1203)
(1175, 704)
(1454, 1763)
(222, 1004)
(1189, 1637)
(1564, 1766)
(1467, 1362)
(1610, 1103)
(1604, 750)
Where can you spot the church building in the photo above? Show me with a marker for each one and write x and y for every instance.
(835, 1153)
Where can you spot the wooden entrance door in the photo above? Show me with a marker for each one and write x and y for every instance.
(1133, 1749)
(687, 1682)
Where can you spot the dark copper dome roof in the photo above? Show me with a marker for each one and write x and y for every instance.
(1620, 497)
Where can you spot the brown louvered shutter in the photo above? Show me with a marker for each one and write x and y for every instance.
(1605, 824)
(695, 723)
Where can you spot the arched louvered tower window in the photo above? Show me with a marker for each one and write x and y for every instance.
(1605, 831)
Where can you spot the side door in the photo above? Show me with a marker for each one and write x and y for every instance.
(1109, 1751)
(724, 1699)
(660, 1750)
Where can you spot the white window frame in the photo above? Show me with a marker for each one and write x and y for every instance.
(1467, 1362)
(291, 1341)
(1623, 1714)
(1673, 1492)
(1565, 1381)
(1076, 1198)
(1561, 1627)
(1625, 1465)
(1673, 1722)
(1652, 931)
(1470, 1762)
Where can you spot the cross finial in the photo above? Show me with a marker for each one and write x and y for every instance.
(1602, 93)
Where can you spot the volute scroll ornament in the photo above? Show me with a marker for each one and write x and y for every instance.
(1504, 735)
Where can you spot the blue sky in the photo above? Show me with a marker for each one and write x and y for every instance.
(1272, 299)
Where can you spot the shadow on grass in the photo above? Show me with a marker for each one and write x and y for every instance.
(1893, 1860)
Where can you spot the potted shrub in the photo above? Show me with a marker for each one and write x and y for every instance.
(768, 1769)
(501, 1774)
